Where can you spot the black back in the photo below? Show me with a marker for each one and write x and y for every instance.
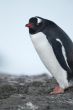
(53, 32)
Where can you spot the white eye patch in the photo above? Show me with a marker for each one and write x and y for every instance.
(39, 20)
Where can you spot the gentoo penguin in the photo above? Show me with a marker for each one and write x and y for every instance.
(55, 49)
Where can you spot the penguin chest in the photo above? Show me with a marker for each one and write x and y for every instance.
(46, 54)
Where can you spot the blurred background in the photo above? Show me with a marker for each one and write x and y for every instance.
(17, 54)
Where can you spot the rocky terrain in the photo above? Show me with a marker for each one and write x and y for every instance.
(32, 93)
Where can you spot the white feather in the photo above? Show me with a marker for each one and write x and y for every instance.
(39, 20)
(46, 54)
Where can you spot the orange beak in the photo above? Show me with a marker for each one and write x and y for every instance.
(29, 25)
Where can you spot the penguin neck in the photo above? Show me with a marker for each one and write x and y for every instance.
(31, 31)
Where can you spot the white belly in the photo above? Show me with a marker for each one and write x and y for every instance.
(46, 54)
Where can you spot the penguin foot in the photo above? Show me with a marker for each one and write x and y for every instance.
(57, 90)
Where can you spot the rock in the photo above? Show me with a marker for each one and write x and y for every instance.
(32, 93)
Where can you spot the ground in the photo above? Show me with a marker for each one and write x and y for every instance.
(32, 93)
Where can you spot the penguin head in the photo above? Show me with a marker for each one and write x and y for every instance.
(36, 24)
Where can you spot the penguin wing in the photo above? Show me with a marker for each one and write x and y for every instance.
(60, 54)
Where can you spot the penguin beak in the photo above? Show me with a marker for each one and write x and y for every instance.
(29, 25)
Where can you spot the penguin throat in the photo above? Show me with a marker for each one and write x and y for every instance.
(32, 31)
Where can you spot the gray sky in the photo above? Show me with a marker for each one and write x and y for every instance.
(17, 54)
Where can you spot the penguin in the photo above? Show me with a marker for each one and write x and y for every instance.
(55, 49)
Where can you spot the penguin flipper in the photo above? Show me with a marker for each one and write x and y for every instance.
(60, 54)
